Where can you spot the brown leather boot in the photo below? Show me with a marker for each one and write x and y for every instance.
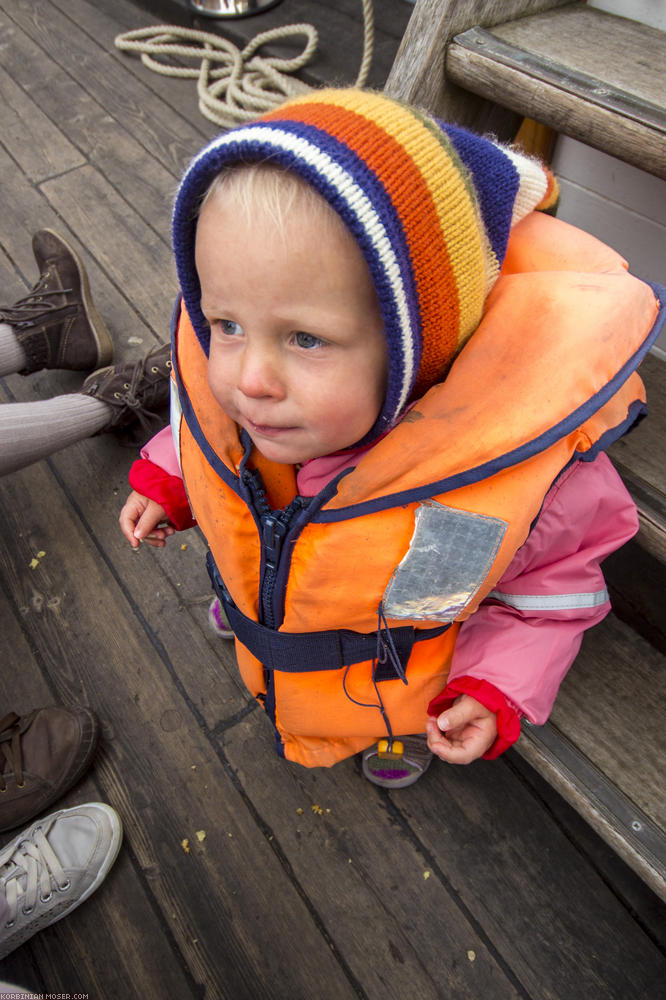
(57, 324)
(42, 755)
(134, 390)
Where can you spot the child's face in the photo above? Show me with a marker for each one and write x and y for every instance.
(297, 350)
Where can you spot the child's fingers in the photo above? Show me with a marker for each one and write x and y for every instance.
(153, 527)
(462, 732)
(158, 535)
(127, 528)
(454, 747)
(154, 541)
(128, 519)
(458, 715)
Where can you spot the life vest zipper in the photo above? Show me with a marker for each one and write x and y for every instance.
(274, 527)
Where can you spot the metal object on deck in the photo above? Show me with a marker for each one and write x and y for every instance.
(230, 8)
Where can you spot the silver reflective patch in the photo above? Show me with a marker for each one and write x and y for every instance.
(449, 557)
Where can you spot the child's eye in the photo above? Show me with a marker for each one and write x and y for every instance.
(230, 328)
(307, 340)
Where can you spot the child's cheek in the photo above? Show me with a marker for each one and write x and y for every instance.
(217, 381)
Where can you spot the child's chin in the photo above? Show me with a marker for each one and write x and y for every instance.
(274, 451)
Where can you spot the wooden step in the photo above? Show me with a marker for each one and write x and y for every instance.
(604, 745)
(600, 79)
(641, 452)
(588, 74)
(636, 574)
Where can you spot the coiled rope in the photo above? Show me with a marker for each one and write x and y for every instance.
(235, 85)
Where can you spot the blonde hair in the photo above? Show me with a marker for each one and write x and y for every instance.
(274, 192)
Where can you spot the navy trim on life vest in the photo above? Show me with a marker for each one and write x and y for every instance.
(484, 471)
(523, 452)
(637, 411)
(303, 652)
(190, 417)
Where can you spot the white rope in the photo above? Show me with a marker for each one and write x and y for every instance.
(235, 85)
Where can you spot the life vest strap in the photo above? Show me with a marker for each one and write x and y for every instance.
(301, 652)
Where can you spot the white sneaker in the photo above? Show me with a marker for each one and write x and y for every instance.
(50, 868)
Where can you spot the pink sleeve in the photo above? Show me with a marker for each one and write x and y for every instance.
(157, 475)
(161, 451)
(526, 634)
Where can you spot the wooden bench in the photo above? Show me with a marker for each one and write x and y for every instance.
(600, 79)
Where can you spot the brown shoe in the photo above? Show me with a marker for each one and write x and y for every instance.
(134, 390)
(42, 755)
(57, 324)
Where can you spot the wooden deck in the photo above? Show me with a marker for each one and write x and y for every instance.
(477, 882)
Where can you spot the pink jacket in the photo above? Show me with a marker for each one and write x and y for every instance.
(512, 654)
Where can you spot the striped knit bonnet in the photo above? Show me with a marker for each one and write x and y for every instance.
(429, 204)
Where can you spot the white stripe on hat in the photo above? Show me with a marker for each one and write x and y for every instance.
(532, 183)
(359, 204)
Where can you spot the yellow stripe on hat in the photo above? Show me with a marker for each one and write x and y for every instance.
(446, 180)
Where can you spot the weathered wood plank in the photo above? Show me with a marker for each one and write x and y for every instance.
(116, 944)
(635, 581)
(419, 75)
(226, 937)
(636, 574)
(621, 54)
(642, 451)
(618, 820)
(130, 252)
(130, 636)
(107, 463)
(611, 705)
(170, 589)
(543, 92)
(120, 923)
(647, 908)
(38, 146)
(371, 879)
(541, 897)
(25, 210)
(138, 141)
(103, 22)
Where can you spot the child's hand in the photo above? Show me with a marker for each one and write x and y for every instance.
(139, 520)
(470, 730)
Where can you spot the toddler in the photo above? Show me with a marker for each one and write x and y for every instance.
(393, 384)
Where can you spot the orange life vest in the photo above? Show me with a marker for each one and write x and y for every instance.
(346, 606)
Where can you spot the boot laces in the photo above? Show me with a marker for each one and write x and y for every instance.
(132, 398)
(10, 745)
(24, 312)
(30, 865)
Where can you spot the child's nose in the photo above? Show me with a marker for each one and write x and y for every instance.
(258, 374)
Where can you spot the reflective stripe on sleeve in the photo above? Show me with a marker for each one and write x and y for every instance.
(551, 602)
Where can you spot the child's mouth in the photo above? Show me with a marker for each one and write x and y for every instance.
(267, 430)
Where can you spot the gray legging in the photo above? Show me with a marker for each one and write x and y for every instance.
(30, 431)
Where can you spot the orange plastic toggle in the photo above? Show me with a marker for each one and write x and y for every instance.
(396, 751)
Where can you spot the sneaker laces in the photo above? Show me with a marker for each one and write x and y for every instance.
(25, 868)
(10, 745)
(24, 312)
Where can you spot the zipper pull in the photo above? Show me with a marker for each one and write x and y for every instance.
(273, 533)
